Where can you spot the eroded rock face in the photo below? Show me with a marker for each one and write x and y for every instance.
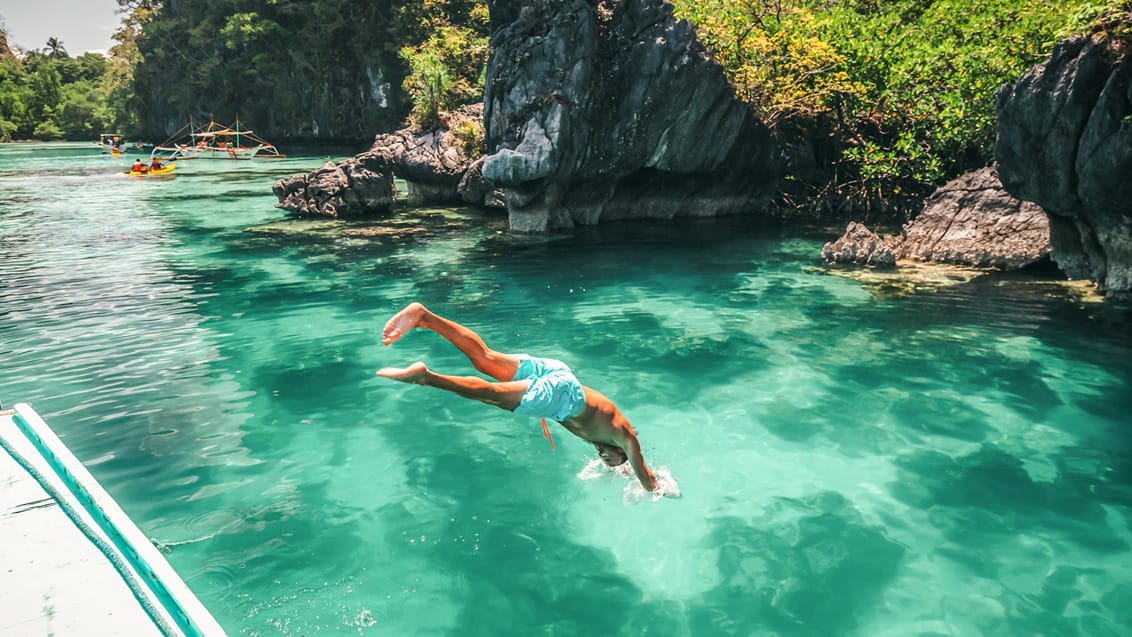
(358, 186)
(1065, 143)
(971, 221)
(432, 162)
(860, 246)
(613, 110)
(435, 165)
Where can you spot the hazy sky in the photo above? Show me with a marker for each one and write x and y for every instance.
(82, 25)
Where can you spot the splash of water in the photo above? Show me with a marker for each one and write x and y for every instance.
(634, 492)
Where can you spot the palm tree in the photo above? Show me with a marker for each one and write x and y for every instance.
(55, 48)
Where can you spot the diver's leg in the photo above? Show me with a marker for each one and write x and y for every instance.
(498, 365)
(505, 395)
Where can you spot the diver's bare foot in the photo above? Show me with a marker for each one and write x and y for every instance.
(415, 373)
(402, 322)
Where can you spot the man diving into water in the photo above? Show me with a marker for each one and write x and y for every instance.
(541, 387)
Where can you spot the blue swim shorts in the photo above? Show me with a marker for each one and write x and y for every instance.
(554, 392)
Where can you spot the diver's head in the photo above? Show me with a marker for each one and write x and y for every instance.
(610, 455)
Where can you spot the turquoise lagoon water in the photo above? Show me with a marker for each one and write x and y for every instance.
(951, 462)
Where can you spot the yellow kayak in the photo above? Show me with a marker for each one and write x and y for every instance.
(164, 170)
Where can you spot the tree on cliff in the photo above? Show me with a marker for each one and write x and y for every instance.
(447, 70)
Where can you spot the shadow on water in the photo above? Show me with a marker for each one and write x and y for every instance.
(985, 501)
(810, 566)
(993, 481)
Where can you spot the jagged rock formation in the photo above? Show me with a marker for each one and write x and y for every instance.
(970, 221)
(5, 49)
(1065, 143)
(973, 221)
(613, 110)
(354, 187)
(434, 164)
(860, 246)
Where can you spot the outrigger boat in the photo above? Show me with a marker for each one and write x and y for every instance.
(216, 141)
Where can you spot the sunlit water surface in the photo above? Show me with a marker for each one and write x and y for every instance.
(954, 462)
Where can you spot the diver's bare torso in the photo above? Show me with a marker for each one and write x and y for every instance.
(603, 425)
(599, 422)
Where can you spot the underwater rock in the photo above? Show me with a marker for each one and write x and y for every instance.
(310, 228)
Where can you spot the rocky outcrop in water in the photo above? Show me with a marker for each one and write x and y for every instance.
(613, 110)
(860, 246)
(362, 185)
(971, 221)
(1065, 143)
(435, 164)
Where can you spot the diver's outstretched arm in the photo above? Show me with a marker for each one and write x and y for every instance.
(632, 448)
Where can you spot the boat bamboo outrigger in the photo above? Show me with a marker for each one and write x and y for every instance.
(215, 141)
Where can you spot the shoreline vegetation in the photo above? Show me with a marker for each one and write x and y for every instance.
(878, 103)
(874, 103)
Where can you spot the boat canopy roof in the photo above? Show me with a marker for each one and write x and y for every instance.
(222, 133)
(196, 136)
(213, 130)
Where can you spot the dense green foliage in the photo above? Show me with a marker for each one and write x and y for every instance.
(898, 94)
(332, 69)
(447, 70)
(50, 95)
(298, 69)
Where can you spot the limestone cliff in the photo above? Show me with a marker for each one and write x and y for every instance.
(1065, 143)
(613, 110)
